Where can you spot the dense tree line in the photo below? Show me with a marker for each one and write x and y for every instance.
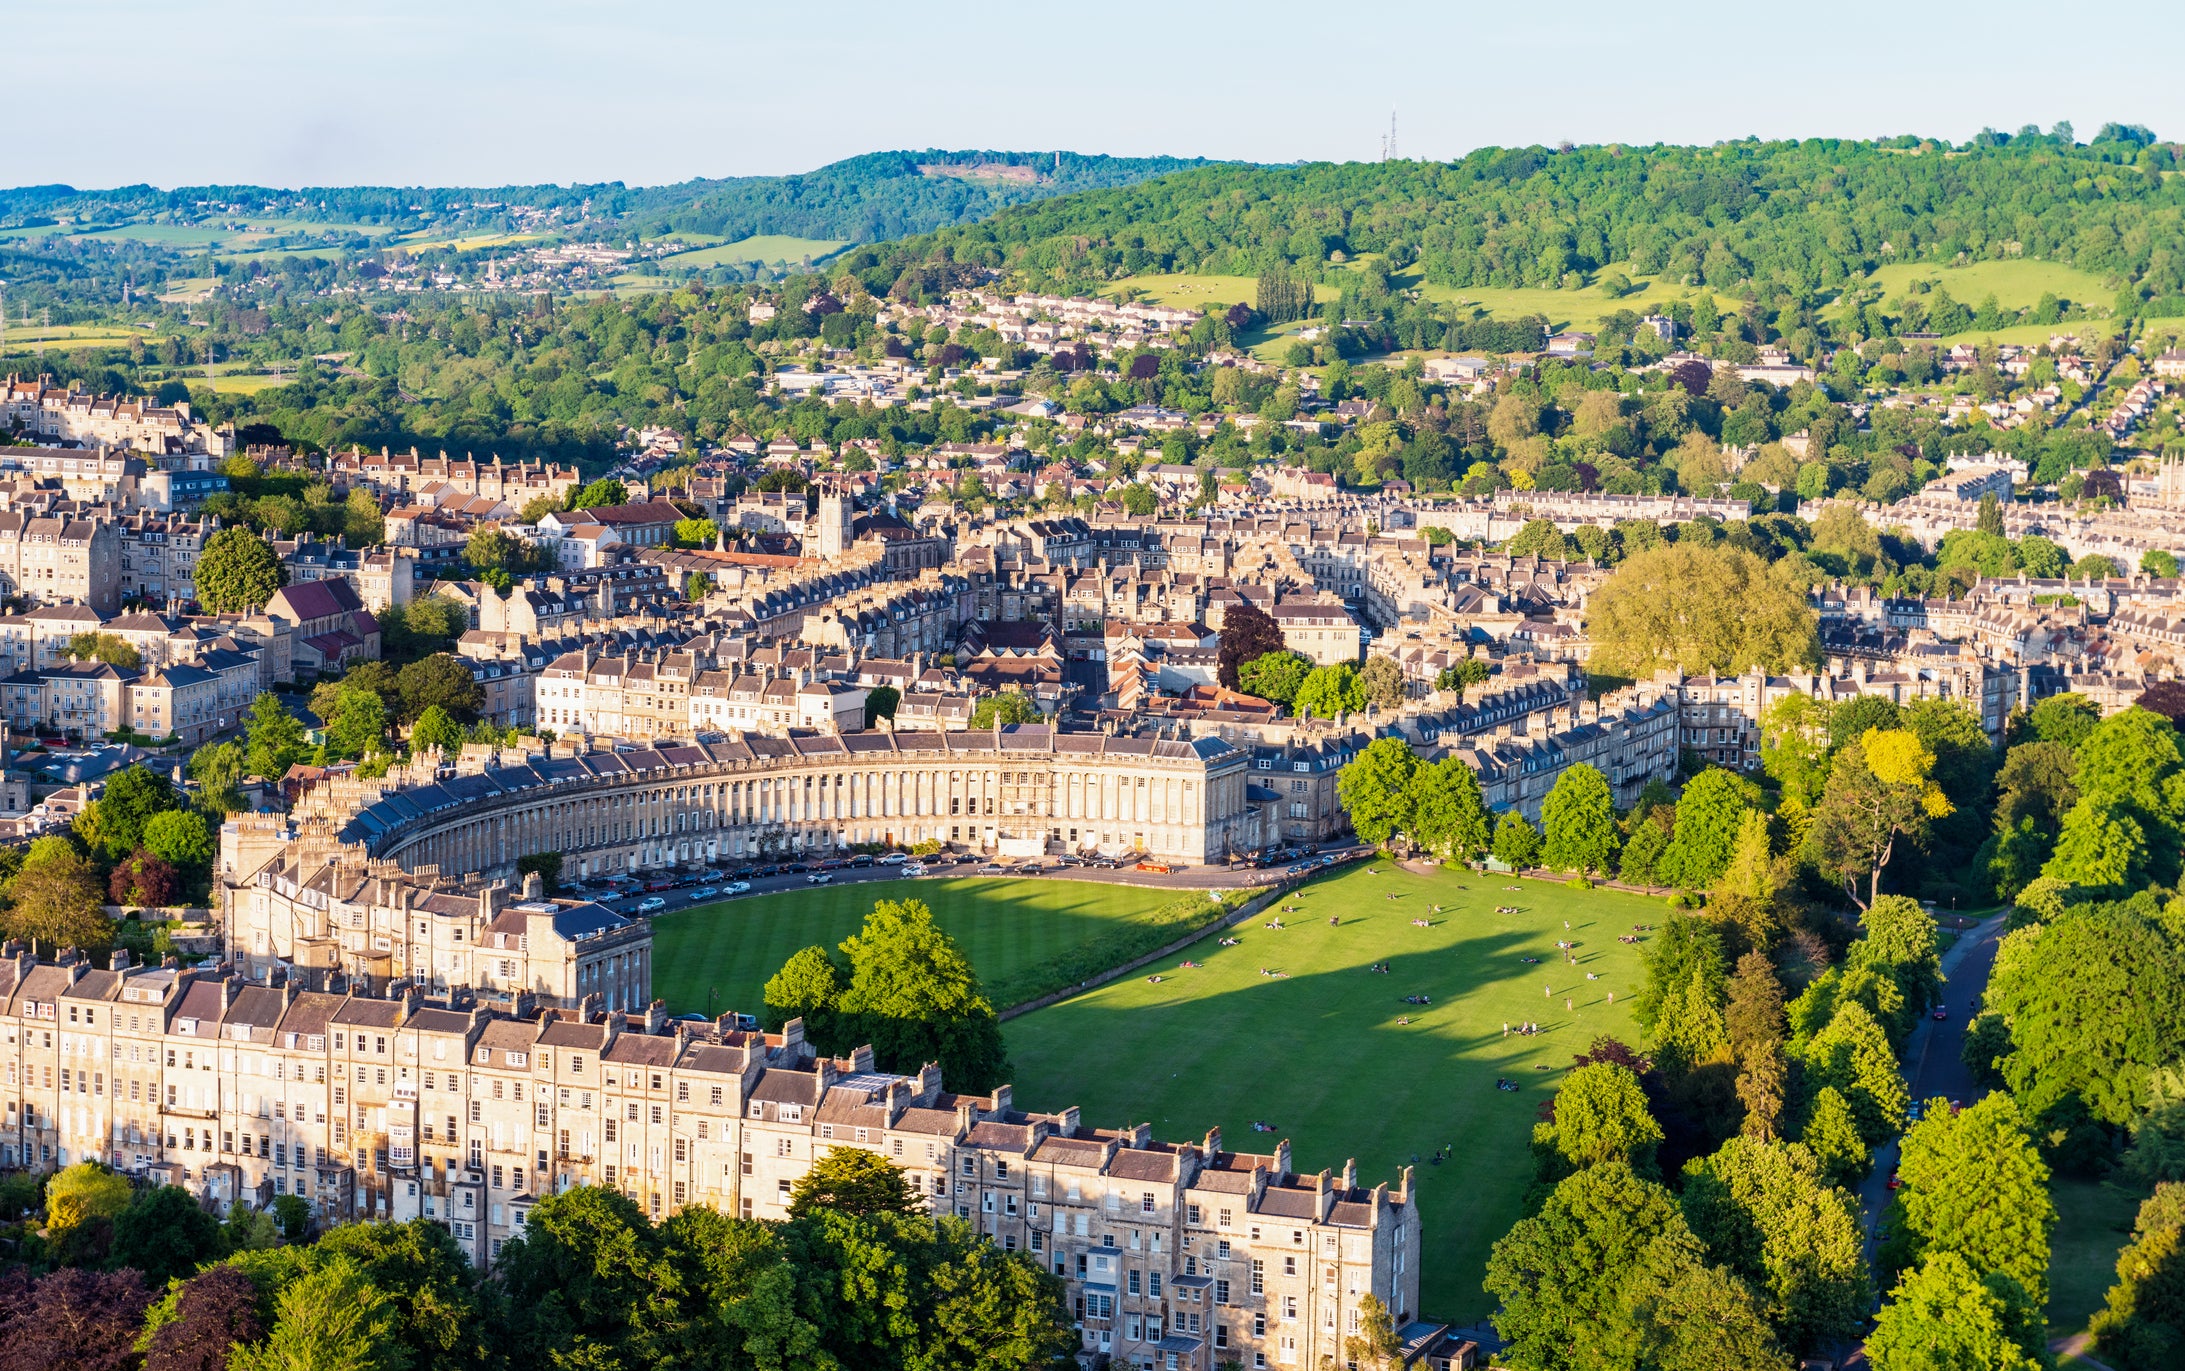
(882, 195)
(122, 1278)
(1801, 216)
(1691, 1204)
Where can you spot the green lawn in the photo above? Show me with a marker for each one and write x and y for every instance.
(1010, 928)
(1319, 1054)
(766, 247)
(2093, 1223)
(2016, 284)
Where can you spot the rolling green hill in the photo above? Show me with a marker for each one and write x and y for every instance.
(1808, 218)
(884, 195)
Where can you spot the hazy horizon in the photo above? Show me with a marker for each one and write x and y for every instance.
(396, 92)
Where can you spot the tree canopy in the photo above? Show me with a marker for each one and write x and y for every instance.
(1699, 610)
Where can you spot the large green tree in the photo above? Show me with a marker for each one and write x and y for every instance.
(1880, 790)
(2095, 1002)
(1709, 815)
(2125, 828)
(1975, 1185)
(1945, 1316)
(439, 681)
(1607, 1274)
(1004, 708)
(275, 738)
(1852, 1055)
(854, 1180)
(1274, 676)
(2141, 1326)
(1447, 812)
(237, 572)
(808, 987)
(913, 995)
(1578, 821)
(1376, 789)
(1699, 610)
(56, 901)
(1768, 1213)
(1601, 1115)
(1328, 692)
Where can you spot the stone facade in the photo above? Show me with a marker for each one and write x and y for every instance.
(1171, 1254)
(1021, 790)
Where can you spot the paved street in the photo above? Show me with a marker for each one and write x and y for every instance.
(1933, 1056)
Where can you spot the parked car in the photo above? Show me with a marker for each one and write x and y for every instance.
(651, 903)
(819, 878)
(894, 858)
(766, 871)
(861, 860)
(796, 868)
(966, 858)
(743, 873)
(992, 869)
(737, 888)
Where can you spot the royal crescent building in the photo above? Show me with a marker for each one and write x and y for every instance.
(1019, 790)
(390, 1040)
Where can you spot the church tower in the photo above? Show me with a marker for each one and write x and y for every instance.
(834, 523)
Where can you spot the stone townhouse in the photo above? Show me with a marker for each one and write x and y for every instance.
(554, 606)
(321, 907)
(56, 414)
(81, 700)
(41, 637)
(177, 701)
(53, 559)
(1629, 743)
(649, 524)
(1301, 775)
(394, 473)
(159, 555)
(329, 627)
(1180, 1255)
(1326, 634)
(381, 578)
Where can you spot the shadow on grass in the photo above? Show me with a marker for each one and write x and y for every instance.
(719, 956)
(1319, 1053)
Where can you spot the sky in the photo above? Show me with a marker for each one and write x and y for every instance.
(488, 92)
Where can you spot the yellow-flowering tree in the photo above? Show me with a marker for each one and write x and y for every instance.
(1880, 789)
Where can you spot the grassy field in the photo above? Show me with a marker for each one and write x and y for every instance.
(1319, 1054)
(64, 338)
(2093, 1223)
(2017, 284)
(766, 247)
(1201, 292)
(1010, 928)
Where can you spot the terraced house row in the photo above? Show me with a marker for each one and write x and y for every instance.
(1021, 790)
(1174, 1255)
